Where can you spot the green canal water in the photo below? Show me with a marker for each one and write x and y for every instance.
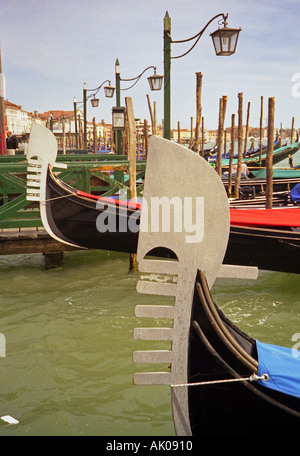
(69, 341)
(68, 367)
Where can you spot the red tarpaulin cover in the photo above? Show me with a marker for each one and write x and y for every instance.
(240, 217)
(265, 217)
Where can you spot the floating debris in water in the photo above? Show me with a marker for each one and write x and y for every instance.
(9, 419)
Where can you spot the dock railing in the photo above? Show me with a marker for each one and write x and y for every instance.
(104, 175)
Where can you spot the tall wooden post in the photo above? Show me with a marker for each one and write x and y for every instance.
(280, 139)
(231, 154)
(151, 114)
(219, 149)
(64, 137)
(178, 132)
(192, 134)
(224, 108)
(240, 146)
(247, 130)
(2, 113)
(132, 161)
(269, 160)
(95, 143)
(202, 139)
(70, 136)
(261, 127)
(75, 123)
(222, 112)
(198, 111)
(292, 130)
(146, 141)
(79, 146)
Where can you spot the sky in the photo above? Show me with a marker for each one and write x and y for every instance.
(50, 48)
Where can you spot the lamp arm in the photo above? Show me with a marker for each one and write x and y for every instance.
(137, 78)
(97, 88)
(141, 74)
(198, 35)
(132, 85)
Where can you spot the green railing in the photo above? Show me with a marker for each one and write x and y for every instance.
(103, 174)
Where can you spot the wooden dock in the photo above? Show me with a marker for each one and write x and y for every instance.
(16, 241)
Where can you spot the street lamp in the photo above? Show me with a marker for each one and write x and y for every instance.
(155, 82)
(95, 102)
(224, 40)
(109, 92)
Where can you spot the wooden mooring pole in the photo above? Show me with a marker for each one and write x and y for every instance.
(192, 134)
(247, 130)
(261, 127)
(132, 162)
(222, 112)
(269, 160)
(2, 113)
(231, 154)
(292, 130)
(198, 111)
(202, 138)
(219, 149)
(240, 146)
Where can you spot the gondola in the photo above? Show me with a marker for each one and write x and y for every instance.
(87, 221)
(254, 162)
(72, 217)
(266, 238)
(268, 249)
(238, 385)
(221, 382)
(255, 186)
(252, 152)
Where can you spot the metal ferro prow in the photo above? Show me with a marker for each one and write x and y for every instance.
(185, 209)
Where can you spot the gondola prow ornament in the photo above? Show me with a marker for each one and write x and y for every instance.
(186, 186)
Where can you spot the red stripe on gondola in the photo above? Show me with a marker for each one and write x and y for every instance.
(265, 217)
(238, 217)
(129, 204)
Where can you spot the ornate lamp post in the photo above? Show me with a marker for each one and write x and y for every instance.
(224, 40)
(109, 92)
(155, 83)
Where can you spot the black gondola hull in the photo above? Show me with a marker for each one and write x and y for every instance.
(269, 249)
(237, 408)
(75, 220)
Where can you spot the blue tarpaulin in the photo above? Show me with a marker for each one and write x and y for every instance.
(282, 366)
(295, 193)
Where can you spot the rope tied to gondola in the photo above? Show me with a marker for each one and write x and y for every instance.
(252, 378)
(57, 198)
